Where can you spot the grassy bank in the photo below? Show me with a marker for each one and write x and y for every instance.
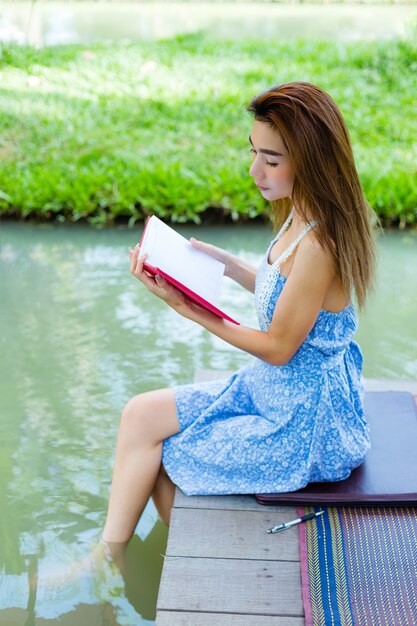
(117, 132)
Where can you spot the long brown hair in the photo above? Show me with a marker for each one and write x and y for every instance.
(326, 184)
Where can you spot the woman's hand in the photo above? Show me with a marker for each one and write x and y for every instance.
(157, 284)
(239, 271)
(214, 251)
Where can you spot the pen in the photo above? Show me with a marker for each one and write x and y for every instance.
(280, 527)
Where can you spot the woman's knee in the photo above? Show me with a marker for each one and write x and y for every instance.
(150, 417)
(135, 422)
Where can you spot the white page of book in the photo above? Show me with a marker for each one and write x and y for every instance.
(174, 254)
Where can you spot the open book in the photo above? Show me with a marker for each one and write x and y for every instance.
(197, 274)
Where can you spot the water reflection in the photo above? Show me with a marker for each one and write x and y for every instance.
(122, 600)
(78, 337)
(51, 23)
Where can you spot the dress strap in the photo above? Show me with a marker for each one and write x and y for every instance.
(287, 253)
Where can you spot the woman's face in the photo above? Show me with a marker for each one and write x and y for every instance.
(272, 169)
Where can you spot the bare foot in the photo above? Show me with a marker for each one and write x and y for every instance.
(102, 561)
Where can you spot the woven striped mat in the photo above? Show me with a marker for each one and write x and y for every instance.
(359, 566)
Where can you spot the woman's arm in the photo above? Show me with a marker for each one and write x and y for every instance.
(299, 305)
(236, 269)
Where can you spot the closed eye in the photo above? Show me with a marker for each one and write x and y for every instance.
(266, 160)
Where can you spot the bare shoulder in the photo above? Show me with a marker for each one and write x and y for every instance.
(312, 256)
(314, 271)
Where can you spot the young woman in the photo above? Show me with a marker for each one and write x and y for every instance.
(294, 414)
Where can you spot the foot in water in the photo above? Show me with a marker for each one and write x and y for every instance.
(105, 559)
(132, 568)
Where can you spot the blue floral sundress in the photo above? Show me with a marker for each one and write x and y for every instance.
(268, 428)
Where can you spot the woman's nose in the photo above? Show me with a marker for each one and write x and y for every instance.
(254, 169)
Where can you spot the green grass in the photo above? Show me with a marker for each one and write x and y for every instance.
(117, 132)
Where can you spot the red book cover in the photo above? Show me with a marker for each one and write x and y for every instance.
(189, 293)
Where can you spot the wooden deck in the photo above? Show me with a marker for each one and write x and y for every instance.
(223, 569)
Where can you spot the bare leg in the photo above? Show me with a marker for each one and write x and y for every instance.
(163, 495)
(146, 421)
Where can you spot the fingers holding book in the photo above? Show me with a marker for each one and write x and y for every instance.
(137, 262)
(155, 284)
(208, 248)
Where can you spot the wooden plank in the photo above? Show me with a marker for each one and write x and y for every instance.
(373, 384)
(231, 503)
(173, 618)
(231, 586)
(231, 535)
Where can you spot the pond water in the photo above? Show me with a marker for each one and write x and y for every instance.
(79, 336)
(50, 23)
